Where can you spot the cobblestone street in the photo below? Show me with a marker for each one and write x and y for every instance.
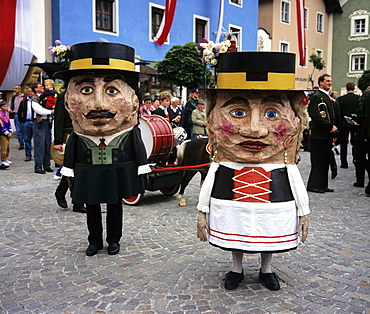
(162, 267)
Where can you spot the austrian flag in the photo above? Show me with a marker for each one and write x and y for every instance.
(15, 42)
(301, 32)
(164, 30)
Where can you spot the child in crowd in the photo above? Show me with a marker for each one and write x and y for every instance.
(5, 135)
(48, 99)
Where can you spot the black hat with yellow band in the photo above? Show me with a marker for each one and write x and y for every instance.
(256, 70)
(100, 56)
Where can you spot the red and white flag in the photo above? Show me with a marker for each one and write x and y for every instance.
(15, 41)
(301, 32)
(164, 30)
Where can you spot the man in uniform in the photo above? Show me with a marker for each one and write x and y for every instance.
(323, 127)
(348, 105)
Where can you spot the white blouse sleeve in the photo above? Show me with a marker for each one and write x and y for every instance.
(299, 190)
(206, 190)
(67, 172)
(143, 169)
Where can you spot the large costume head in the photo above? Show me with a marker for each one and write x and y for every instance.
(255, 115)
(102, 95)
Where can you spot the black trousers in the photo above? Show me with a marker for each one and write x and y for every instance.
(320, 159)
(113, 223)
(62, 189)
(343, 141)
(362, 162)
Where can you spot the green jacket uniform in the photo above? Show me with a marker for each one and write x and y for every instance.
(106, 174)
(348, 104)
(322, 119)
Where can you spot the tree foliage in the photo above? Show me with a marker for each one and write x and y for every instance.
(182, 66)
(318, 64)
(364, 80)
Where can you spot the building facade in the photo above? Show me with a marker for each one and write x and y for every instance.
(136, 23)
(351, 39)
(278, 32)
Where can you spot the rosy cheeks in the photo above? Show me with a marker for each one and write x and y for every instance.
(280, 132)
(283, 130)
(227, 127)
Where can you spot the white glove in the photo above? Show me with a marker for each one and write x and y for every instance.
(202, 227)
(303, 227)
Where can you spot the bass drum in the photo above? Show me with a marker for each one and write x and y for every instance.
(158, 138)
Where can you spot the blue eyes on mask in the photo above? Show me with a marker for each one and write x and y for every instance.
(238, 113)
(271, 114)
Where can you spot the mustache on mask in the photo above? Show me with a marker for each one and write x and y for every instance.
(99, 114)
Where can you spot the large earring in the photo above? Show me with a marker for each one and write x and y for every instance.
(285, 157)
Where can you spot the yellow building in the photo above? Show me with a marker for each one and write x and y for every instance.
(278, 32)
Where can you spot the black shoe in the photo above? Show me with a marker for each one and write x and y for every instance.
(93, 249)
(233, 279)
(344, 167)
(113, 248)
(328, 190)
(48, 169)
(271, 280)
(40, 171)
(79, 209)
(334, 173)
(315, 190)
(62, 203)
(2, 166)
(358, 185)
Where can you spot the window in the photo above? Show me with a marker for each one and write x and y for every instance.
(285, 12)
(359, 25)
(358, 63)
(157, 16)
(284, 46)
(105, 16)
(237, 2)
(236, 33)
(320, 23)
(201, 28)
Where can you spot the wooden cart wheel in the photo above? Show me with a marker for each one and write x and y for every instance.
(133, 200)
(171, 190)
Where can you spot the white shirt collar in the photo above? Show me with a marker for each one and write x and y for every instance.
(108, 138)
(324, 91)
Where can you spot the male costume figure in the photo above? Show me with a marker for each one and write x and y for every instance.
(253, 195)
(105, 153)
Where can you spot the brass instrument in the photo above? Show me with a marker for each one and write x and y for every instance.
(323, 110)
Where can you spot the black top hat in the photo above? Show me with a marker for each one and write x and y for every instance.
(100, 56)
(256, 71)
